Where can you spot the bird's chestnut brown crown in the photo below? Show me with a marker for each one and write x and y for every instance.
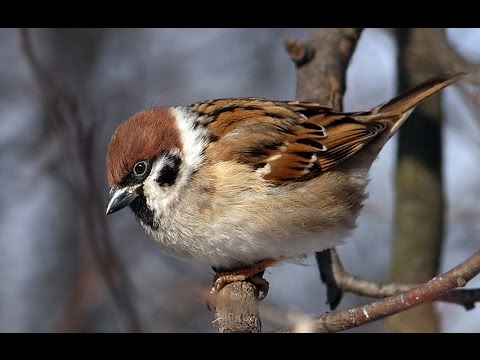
(141, 137)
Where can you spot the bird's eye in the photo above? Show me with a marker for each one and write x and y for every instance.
(140, 168)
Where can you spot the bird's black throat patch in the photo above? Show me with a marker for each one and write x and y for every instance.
(142, 211)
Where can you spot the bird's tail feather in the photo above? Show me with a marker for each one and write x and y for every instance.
(406, 102)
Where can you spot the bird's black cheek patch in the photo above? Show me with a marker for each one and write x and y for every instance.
(143, 212)
(169, 172)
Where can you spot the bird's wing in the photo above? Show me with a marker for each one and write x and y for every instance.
(294, 141)
(285, 141)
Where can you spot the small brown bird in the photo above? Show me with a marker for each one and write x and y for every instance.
(241, 184)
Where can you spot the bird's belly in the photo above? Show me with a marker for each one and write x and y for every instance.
(239, 226)
(238, 248)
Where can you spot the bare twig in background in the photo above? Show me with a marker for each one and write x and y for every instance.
(356, 285)
(472, 97)
(78, 140)
(442, 56)
(432, 290)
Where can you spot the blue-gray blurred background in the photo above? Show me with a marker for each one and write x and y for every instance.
(50, 277)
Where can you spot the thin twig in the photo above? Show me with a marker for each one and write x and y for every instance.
(359, 286)
(429, 291)
(62, 109)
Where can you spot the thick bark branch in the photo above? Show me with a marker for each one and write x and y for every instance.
(322, 63)
(237, 309)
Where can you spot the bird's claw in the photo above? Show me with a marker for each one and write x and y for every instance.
(253, 274)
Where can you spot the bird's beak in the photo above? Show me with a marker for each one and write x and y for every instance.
(119, 198)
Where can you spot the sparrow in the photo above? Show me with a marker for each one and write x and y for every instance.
(243, 184)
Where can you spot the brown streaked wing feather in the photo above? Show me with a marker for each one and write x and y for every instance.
(345, 138)
(249, 130)
(286, 141)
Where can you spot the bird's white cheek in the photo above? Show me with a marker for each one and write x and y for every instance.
(158, 197)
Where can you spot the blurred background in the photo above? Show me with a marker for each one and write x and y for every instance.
(66, 267)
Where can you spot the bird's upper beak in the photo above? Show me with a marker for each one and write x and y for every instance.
(119, 198)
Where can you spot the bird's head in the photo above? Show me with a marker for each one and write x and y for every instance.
(150, 157)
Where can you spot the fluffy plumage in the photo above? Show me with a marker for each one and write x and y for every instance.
(232, 182)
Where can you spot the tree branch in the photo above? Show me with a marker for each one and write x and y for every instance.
(322, 63)
(359, 286)
(431, 290)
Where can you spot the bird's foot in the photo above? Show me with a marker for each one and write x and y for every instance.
(252, 273)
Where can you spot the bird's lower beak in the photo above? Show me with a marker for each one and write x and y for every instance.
(119, 198)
